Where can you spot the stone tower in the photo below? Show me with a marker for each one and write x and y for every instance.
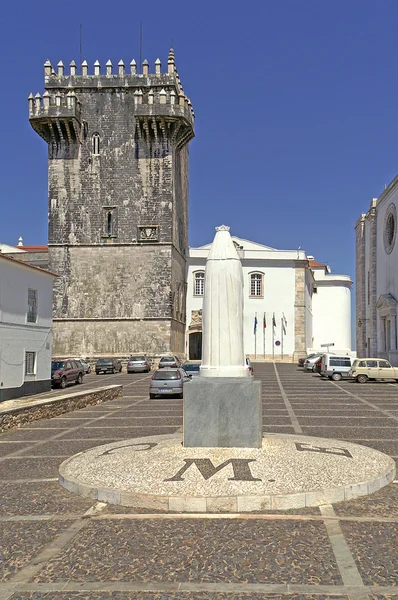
(118, 205)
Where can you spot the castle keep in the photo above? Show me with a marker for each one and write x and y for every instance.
(118, 205)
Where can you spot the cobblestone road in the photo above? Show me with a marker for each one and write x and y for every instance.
(59, 546)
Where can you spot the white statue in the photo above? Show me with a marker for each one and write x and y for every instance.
(222, 320)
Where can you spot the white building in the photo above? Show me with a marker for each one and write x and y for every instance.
(302, 303)
(25, 328)
(377, 277)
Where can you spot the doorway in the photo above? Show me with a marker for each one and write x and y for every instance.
(195, 346)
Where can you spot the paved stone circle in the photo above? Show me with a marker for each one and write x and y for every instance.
(289, 471)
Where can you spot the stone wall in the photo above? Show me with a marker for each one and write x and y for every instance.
(15, 417)
(299, 313)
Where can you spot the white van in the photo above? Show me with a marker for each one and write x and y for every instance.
(335, 367)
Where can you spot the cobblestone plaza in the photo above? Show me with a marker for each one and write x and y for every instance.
(60, 546)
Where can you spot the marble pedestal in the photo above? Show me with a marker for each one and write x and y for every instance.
(222, 412)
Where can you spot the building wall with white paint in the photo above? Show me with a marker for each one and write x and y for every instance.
(18, 336)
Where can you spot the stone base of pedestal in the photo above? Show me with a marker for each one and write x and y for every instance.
(222, 412)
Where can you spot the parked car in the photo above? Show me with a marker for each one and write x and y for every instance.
(335, 367)
(108, 365)
(309, 363)
(191, 369)
(168, 382)
(139, 363)
(85, 365)
(169, 361)
(250, 366)
(301, 360)
(364, 369)
(318, 366)
(66, 371)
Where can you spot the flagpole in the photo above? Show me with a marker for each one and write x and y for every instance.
(255, 335)
(273, 336)
(264, 336)
(282, 337)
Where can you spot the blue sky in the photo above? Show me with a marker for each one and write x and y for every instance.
(295, 102)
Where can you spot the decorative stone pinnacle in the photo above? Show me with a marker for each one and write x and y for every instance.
(72, 67)
(145, 67)
(120, 65)
(133, 67)
(84, 68)
(109, 67)
(60, 66)
(223, 228)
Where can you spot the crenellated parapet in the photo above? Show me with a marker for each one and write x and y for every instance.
(158, 99)
(56, 116)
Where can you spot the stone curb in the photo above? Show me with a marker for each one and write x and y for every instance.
(44, 408)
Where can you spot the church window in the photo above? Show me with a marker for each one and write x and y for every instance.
(256, 285)
(109, 221)
(199, 283)
(96, 143)
(390, 228)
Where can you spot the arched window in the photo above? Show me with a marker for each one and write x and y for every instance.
(96, 143)
(256, 285)
(199, 283)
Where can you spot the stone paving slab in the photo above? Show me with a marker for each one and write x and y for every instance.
(8, 447)
(20, 542)
(114, 432)
(351, 433)
(198, 550)
(374, 547)
(29, 468)
(40, 498)
(176, 596)
(382, 503)
(60, 447)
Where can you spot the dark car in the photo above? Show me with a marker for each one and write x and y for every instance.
(169, 361)
(191, 369)
(108, 365)
(66, 371)
(139, 363)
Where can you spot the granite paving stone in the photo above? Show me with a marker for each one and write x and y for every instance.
(254, 551)
(29, 468)
(114, 432)
(40, 498)
(351, 433)
(63, 448)
(20, 542)
(28, 435)
(10, 447)
(153, 421)
(383, 503)
(176, 596)
(374, 547)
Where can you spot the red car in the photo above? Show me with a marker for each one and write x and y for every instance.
(66, 371)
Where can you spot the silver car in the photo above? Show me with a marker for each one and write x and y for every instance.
(168, 382)
(169, 361)
(138, 363)
(309, 363)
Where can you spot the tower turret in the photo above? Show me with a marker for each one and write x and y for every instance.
(118, 204)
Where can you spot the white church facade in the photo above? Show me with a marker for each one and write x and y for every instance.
(377, 277)
(292, 304)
